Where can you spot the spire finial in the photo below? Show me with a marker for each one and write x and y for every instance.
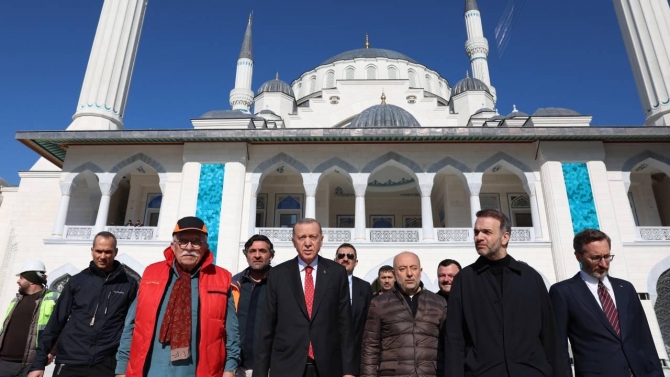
(383, 98)
(467, 74)
(367, 41)
(497, 113)
(247, 48)
(277, 76)
(251, 16)
(514, 110)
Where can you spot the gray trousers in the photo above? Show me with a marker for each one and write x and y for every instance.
(10, 369)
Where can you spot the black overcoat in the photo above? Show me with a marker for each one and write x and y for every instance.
(492, 333)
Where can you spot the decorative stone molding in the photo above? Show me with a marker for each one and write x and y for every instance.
(66, 188)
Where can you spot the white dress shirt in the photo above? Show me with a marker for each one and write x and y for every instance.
(351, 290)
(301, 267)
(592, 285)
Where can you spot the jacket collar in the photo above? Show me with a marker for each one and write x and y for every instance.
(40, 294)
(481, 265)
(95, 270)
(246, 275)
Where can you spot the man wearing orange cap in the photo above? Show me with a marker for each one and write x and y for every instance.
(183, 322)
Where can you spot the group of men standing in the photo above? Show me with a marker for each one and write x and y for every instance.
(309, 316)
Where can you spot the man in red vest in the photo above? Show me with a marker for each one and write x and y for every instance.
(183, 322)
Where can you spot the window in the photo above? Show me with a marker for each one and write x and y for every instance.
(429, 84)
(330, 80)
(349, 73)
(519, 210)
(261, 209)
(153, 209)
(312, 84)
(393, 73)
(288, 209)
(371, 72)
(412, 79)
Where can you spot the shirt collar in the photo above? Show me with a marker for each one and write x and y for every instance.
(302, 264)
(481, 265)
(351, 278)
(590, 280)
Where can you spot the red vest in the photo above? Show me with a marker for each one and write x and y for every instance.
(213, 286)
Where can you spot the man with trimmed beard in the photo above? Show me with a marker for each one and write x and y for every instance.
(251, 283)
(446, 272)
(602, 316)
(360, 294)
(500, 323)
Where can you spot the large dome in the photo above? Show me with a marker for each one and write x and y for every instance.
(275, 85)
(384, 116)
(362, 53)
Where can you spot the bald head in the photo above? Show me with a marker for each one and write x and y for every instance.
(407, 270)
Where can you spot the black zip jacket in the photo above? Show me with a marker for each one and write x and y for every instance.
(88, 318)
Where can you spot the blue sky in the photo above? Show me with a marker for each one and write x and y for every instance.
(565, 53)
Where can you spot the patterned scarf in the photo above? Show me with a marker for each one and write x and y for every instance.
(176, 326)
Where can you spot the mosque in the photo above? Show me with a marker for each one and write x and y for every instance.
(385, 152)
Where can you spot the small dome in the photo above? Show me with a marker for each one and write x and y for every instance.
(496, 117)
(555, 112)
(484, 110)
(275, 85)
(384, 116)
(516, 114)
(4, 183)
(467, 84)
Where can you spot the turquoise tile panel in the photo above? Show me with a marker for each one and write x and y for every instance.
(210, 195)
(580, 197)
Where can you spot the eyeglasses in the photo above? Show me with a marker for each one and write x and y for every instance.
(349, 255)
(196, 243)
(608, 258)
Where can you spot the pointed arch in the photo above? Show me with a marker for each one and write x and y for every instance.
(658, 161)
(392, 156)
(138, 157)
(86, 166)
(264, 167)
(523, 171)
(335, 162)
(453, 165)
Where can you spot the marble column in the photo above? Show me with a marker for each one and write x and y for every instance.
(106, 189)
(534, 212)
(66, 189)
(360, 183)
(310, 181)
(425, 189)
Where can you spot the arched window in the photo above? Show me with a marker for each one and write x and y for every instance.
(349, 73)
(393, 73)
(429, 84)
(371, 72)
(312, 84)
(413, 82)
(330, 80)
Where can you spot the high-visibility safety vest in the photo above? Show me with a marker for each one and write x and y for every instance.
(47, 304)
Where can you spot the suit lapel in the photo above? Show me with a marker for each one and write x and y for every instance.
(584, 295)
(355, 297)
(322, 280)
(621, 305)
(296, 285)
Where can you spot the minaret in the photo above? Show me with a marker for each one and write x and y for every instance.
(645, 26)
(477, 47)
(242, 97)
(104, 93)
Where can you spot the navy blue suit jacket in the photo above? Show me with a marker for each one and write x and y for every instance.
(596, 348)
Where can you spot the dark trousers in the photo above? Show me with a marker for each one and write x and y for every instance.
(11, 369)
(310, 369)
(104, 368)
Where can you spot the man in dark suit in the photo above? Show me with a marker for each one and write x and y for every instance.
(361, 295)
(602, 316)
(306, 327)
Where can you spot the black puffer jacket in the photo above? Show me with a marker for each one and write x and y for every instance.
(395, 343)
(88, 318)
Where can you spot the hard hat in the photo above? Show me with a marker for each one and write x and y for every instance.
(32, 265)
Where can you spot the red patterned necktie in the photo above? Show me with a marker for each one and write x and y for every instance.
(309, 299)
(608, 307)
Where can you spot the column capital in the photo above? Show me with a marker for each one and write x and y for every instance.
(473, 182)
(108, 188)
(311, 182)
(360, 183)
(66, 188)
(425, 184)
(255, 183)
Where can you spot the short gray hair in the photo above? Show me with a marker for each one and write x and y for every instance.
(306, 221)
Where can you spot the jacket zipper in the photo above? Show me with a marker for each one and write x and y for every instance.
(98, 304)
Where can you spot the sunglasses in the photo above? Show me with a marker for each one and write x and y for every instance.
(349, 255)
